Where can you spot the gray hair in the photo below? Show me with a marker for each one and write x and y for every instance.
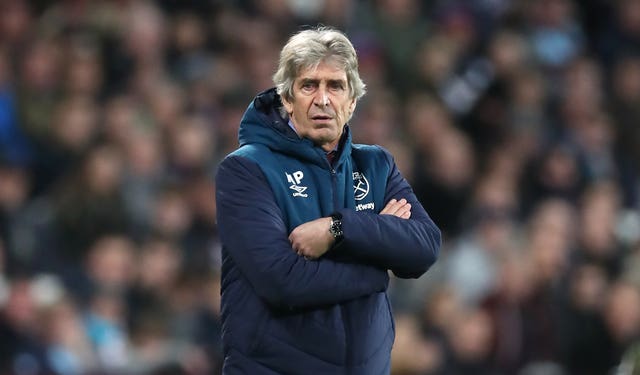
(307, 49)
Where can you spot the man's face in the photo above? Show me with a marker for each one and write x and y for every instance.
(321, 104)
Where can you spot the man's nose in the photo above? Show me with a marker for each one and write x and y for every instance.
(321, 99)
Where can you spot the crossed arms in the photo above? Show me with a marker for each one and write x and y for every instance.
(402, 239)
(312, 239)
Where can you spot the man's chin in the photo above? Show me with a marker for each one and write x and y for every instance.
(324, 136)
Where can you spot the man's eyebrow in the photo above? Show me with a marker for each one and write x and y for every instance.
(330, 81)
(309, 80)
(335, 81)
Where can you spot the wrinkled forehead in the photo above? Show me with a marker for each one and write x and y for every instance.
(327, 69)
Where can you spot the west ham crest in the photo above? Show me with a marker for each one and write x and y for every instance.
(360, 186)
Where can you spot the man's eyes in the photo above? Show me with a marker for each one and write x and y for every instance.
(308, 85)
(313, 85)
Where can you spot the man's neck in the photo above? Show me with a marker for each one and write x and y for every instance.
(326, 147)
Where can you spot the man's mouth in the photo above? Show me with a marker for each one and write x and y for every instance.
(321, 117)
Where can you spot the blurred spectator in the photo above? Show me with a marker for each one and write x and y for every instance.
(69, 350)
(412, 354)
(549, 237)
(436, 60)
(553, 31)
(529, 124)
(620, 35)
(471, 337)
(490, 231)
(472, 263)
(14, 194)
(443, 161)
(625, 96)
(622, 319)
(201, 244)
(38, 89)
(439, 314)
(22, 349)
(15, 148)
(597, 241)
(73, 130)
(172, 216)
(143, 177)
(505, 306)
(17, 23)
(90, 204)
(585, 345)
(374, 123)
(480, 93)
(189, 59)
(109, 263)
(104, 320)
(84, 69)
(191, 147)
(553, 173)
(625, 82)
(398, 28)
(159, 264)
(166, 103)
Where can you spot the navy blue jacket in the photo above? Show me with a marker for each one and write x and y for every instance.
(281, 313)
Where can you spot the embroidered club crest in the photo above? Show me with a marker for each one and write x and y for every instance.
(360, 186)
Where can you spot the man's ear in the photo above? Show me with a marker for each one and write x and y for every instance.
(288, 106)
(352, 106)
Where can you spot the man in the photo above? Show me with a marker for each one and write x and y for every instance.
(311, 223)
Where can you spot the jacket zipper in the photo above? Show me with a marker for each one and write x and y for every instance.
(345, 320)
(334, 183)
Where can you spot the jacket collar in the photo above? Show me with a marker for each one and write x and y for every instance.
(263, 123)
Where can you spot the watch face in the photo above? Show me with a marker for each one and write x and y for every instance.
(336, 228)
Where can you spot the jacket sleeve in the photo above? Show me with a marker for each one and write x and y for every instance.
(408, 247)
(254, 234)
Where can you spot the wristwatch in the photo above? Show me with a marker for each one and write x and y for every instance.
(336, 227)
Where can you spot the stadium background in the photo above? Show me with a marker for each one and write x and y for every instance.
(517, 122)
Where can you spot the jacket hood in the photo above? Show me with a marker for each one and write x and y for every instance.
(262, 123)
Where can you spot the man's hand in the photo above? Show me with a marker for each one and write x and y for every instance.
(312, 239)
(401, 208)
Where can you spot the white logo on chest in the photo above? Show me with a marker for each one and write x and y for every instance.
(360, 186)
(295, 179)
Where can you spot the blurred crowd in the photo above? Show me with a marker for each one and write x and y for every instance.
(517, 122)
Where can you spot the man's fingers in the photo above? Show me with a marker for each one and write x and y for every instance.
(397, 208)
(403, 211)
(387, 208)
(305, 253)
(393, 206)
